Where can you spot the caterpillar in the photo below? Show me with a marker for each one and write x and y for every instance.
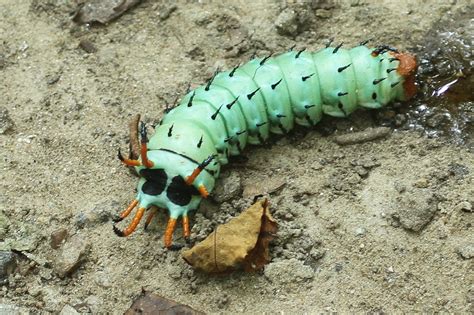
(179, 164)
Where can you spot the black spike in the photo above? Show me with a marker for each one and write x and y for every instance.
(377, 81)
(119, 155)
(199, 143)
(190, 102)
(391, 69)
(143, 133)
(393, 59)
(231, 74)
(229, 106)
(292, 47)
(394, 84)
(306, 77)
(281, 116)
(170, 131)
(214, 116)
(363, 43)
(342, 93)
(261, 124)
(340, 69)
(374, 96)
(208, 85)
(274, 85)
(308, 119)
(299, 53)
(329, 42)
(249, 96)
(381, 59)
(228, 139)
(240, 132)
(265, 59)
(309, 106)
(337, 48)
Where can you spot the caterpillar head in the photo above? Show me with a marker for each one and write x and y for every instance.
(168, 180)
(407, 68)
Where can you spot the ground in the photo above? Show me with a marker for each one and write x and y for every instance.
(378, 226)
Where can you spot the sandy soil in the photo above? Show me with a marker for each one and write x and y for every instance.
(379, 226)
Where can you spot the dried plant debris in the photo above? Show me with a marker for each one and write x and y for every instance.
(102, 11)
(149, 303)
(242, 243)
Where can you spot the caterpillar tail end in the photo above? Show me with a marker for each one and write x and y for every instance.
(407, 68)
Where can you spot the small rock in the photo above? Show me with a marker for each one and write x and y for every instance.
(466, 251)
(57, 237)
(415, 211)
(368, 134)
(360, 231)
(6, 123)
(464, 206)
(287, 22)
(422, 183)
(230, 187)
(72, 255)
(9, 309)
(68, 310)
(288, 271)
(101, 213)
(87, 46)
(7, 265)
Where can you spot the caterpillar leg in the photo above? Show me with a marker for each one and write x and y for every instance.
(150, 216)
(127, 211)
(169, 232)
(186, 230)
(133, 225)
(203, 191)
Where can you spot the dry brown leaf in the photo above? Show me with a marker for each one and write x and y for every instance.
(242, 243)
(149, 303)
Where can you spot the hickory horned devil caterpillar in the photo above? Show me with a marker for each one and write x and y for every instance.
(179, 164)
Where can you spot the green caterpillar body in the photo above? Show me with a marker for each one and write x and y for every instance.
(246, 104)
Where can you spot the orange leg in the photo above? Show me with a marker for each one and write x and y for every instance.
(190, 179)
(133, 225)
(169, 232)
(186, 230)
(150, 217)
(128, 162)
(203, 191)
(143, 149)
(127, 211)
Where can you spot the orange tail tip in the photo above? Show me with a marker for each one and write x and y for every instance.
(407, 68)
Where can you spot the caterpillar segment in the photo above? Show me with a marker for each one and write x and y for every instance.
(179, 164)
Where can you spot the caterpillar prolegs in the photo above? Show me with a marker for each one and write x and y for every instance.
(180, 163)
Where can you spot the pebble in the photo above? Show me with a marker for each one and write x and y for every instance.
(68, 310)
(58, 237)
(72, 254)
(230, 187)
(7, 265)
(101, 213)
(6, 123)
(287, 22)
(464, 206)
(415, 211)
(288, 271)
(466, 250)
(360, 231)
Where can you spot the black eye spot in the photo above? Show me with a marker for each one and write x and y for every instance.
(155, 181)
(179, 192)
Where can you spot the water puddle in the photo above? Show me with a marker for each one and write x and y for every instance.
(445, 104)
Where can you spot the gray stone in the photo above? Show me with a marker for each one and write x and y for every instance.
(229, 187)
(287, 22)
(6, 123)
(8, 309)
(101, 213)
(72, 255)
(7, 265)
(466, 250)
(57, 237)
(415, 211)
(464, 206)
(288, 271)
(68, 310)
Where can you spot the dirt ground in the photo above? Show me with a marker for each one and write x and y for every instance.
(380, 226)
